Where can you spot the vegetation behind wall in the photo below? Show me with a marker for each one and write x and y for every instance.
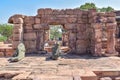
(5, 31)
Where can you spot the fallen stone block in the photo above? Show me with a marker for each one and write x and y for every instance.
(106, 78)
(76, 78)
(117, 78)
(22, 76)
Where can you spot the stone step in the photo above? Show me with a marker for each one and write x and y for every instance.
(49, 77)
(76, 77)
(78, 74)
(9, 74)
(105, 78)
(87, 75)
(107, 72)
(22, 76)
(117, 78)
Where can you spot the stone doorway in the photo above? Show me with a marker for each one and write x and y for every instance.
(56, 34)
(78, 24)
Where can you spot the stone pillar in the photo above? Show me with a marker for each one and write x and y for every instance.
(17, 32)
(41, 35)
(72, 41)
(111, 27)
(40, 40)
(96, 33)
(65, 39)
(96, 44)
(71, 32)
(47, 35)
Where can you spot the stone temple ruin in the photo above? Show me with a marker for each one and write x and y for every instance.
(87, 31)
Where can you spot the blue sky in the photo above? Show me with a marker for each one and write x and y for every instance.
(29, 7)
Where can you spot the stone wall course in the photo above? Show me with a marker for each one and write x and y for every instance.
(85, 29)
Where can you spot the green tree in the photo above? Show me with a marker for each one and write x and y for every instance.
(3, 38)
(55, 31)
(87, 6)
(106, 9)
(6, 30)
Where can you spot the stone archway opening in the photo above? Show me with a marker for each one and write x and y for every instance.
(56, 34)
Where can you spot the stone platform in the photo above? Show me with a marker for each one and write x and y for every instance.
(6, 50)
(68, 67)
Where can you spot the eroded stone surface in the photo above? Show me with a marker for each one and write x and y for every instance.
(67, 67)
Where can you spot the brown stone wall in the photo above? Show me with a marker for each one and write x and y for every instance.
(103, 34)
(18, 31)
(84, 29)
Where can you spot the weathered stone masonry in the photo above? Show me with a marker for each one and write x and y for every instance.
(88, 31)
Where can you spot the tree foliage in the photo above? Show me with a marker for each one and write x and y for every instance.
(88, 6)
(6, 30)
(106, 9)
(3, 38)
(55, 32)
